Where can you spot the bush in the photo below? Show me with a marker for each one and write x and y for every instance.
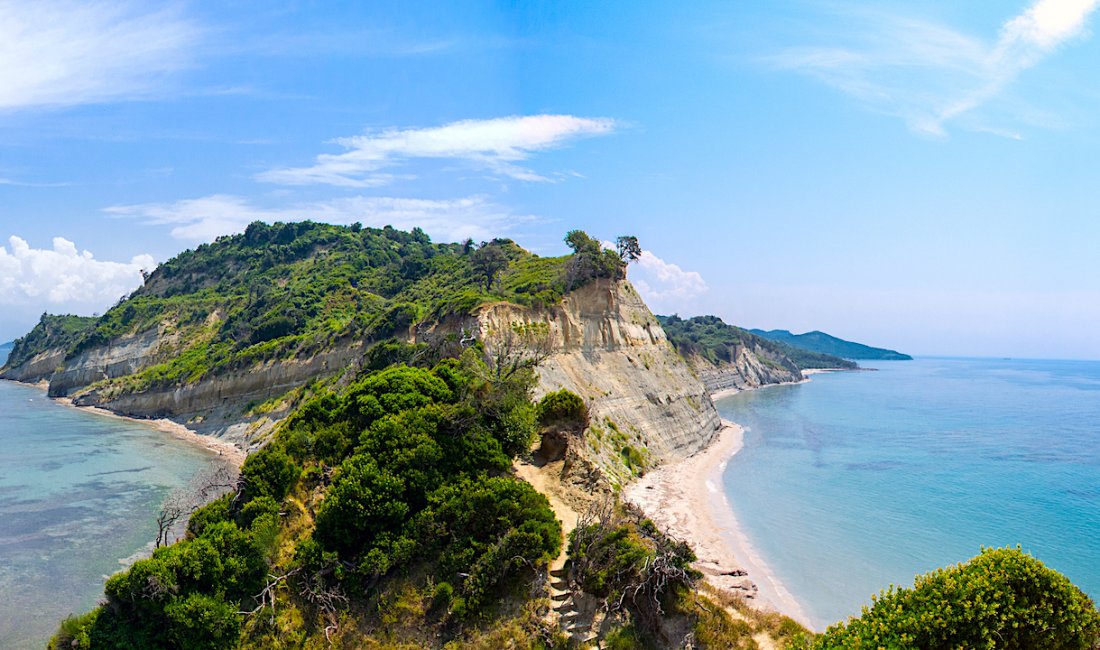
(200, 622)
(363, 502)
(269, 472)
(212, 513)
(562, 407)
(490, 530)
(1002, 598)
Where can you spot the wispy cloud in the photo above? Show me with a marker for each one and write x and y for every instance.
(17, 183)
(206, 218)
(931, 74)
(63, 277)
(66, 52)
(494, 144)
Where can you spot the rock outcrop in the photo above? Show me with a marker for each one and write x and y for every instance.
(39, 367)
(751, 367)
(645, 404)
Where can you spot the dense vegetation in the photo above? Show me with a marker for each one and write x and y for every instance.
(823, 343)
(399, 483)
(712, 339)
(1002, 598)
(62, 332)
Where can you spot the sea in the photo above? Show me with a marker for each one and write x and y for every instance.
(855, 481)
(79, 495)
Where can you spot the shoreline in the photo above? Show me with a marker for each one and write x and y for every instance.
(698, 512)
(726, 392)
(227, 452)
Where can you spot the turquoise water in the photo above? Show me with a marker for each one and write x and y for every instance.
(857, 480)
(78, 495)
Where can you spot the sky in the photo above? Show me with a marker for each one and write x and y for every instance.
(916, 175)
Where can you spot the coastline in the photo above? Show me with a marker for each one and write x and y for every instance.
(685, 498)
(697, 511)
(228, 453)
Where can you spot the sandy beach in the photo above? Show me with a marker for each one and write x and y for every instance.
(229, 452)
(685, 498)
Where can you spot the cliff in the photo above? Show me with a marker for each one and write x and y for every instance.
(751, 366)
(608, 348)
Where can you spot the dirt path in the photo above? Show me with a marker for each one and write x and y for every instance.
(546, 480)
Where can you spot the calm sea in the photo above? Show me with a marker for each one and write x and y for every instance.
(857, 480)
(79, 494)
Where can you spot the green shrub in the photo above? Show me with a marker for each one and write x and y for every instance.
(562, 407)
(1002, 598)
(269, 472)
(364, 501)
(214, 512)
(490, 530)
(255, 508)
(200, 622)
(74, 632)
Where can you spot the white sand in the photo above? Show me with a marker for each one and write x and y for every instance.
(686, 500)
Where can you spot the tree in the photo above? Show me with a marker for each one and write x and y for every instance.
(521, 346)
(590, 261)
(628, 248)
(181, 503)
(489, 261)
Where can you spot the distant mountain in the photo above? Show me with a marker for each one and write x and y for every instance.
(5, 350)
(826, 344)
(716, 341)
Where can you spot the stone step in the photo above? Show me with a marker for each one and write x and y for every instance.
(559, 573)
(560, 584)
(560, 596)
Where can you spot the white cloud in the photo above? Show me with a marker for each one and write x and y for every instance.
(495, 144)
(930, 74)
(66, 52)
(206, 218)
(63, 278)
(665, 286)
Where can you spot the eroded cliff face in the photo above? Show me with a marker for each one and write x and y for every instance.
(752, 367)
(123, 356)
(646, 405)
(226, 406)
(38, 368)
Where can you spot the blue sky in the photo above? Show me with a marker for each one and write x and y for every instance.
(918, 175)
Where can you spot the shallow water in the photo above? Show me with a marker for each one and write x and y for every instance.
(78, 497)
(858, 480)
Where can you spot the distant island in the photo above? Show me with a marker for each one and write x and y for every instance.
(823, 343)
(5, 350)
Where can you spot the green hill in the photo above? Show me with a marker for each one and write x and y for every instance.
(63, 331)
(290, 289)
(711, 338)
(826, 344)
